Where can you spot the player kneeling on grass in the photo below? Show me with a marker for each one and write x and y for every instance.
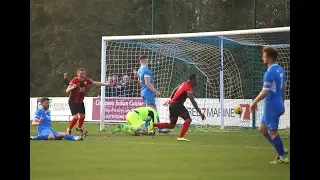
(177, 109)
(42, 119)
(136, 120)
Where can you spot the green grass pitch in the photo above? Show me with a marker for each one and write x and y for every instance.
(101, 156)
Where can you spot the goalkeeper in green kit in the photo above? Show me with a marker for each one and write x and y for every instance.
(136, 119)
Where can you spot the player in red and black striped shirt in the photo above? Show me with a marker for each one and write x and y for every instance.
(77, 89)
(177, 109)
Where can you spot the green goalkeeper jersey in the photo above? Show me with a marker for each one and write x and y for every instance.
(146, 113)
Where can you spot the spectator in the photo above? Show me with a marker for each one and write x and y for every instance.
(127, 87)
(65, 79)
(116, 90)
(109, 89)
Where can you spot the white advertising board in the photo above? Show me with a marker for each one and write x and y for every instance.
(210, 107)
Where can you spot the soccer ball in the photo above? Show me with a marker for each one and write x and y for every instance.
(238, 109)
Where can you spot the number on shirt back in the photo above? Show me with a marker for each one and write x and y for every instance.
(281, 80)
(140, 77)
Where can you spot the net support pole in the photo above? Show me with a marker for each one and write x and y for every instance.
(221, 90)
(103, 79)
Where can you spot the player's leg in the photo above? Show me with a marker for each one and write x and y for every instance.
(151, 102)
(61, 135)
(173, 116)
(134, 123)
(124, 128)
(263, 129)
(74, 112)
(264, 132)
(186, 124)
(82, 116)
(44, 134)
(272, 123)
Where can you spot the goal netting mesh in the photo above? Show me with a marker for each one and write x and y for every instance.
(171, 60)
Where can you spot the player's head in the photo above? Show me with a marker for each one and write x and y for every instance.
(269, 55)
(44, 103)
(193, 79)
(81, 73)
(144, 60)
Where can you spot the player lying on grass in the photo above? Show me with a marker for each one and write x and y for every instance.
(42, 119)
(177, 109)
(273, 93)
(136, 120)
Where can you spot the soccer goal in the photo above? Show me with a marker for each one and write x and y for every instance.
(228, 66)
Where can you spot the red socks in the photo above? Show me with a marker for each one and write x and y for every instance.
(162, 125)
(184, 128)
(72, 122)
(81, 121)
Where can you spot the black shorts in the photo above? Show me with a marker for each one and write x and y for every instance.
(178, 110)
(76, 108)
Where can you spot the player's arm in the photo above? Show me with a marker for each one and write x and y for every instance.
(149, 85)
(37, 119)
(171, 96)
(72, 85)
(174, 91)
(99, 84)
(193, 101)
(154, 116)
(194, 104)
(267, 83)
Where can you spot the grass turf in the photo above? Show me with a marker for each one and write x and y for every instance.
(223, 156)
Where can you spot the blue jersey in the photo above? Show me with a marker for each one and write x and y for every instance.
(274, 81)
(142, 73)
(46, 123)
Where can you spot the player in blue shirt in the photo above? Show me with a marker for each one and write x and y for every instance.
(148, 92)
(273, 93)
(42, 119)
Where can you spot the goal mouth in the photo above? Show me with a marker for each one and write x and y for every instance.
(227, 64)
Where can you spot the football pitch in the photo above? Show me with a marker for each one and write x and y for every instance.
(101, 156)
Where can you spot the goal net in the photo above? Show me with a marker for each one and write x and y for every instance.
(228, 66)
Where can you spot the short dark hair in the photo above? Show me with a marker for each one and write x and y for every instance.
(271, 52)
(192, 77)
(143, 57)
(42, 100)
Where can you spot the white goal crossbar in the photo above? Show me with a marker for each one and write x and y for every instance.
(169, 36)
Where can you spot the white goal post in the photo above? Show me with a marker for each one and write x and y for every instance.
(228, 63)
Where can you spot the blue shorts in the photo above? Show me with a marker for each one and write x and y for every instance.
(270, 118)
(46, 132)
(149, 100)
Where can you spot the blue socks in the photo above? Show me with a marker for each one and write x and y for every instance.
(40, 137)
(266, 135)
(70, 137)
(277, 143)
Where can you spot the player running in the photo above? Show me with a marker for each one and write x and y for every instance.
(136, 119)
(273, 93)
(42, 119)
(177, 109)
(77, 88)
(148, 92)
